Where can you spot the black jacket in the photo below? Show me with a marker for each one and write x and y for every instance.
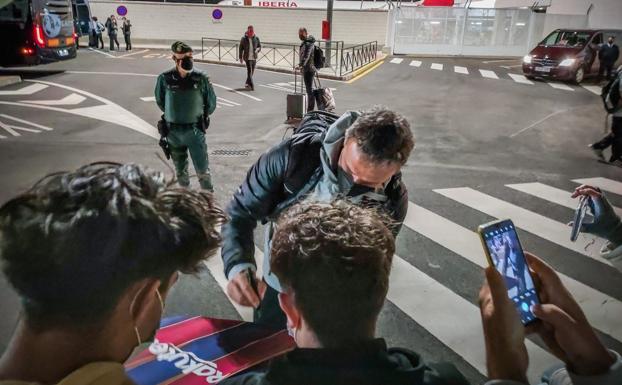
(244, 49)
(608, 54)
(369, 363)
(306, 53)
(280, 177)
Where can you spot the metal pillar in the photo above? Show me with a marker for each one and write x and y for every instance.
(329, 18)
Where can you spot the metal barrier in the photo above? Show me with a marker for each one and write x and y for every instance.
(340, 60)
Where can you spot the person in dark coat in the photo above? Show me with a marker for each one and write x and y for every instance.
(333, 260)
(608, 55)
(306, 64)
(126, 27)
(248, 52)
(358, 156)
(111, 25)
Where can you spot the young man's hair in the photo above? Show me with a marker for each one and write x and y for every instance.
(336, 258)
(302, 29)
(383, 135)
(74, 242)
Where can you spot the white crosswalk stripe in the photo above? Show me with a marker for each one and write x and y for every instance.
(415, 63)
(529, 221)
(437, 66)
(397, 60)
(520, 79)
(551, 194)
(454, 320)
(461, 70)
(603, 183)
(488, 74)
(560, 86)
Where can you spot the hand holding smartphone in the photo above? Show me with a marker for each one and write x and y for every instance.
(505, 253)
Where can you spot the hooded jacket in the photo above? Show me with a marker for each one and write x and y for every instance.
(306, 53)
(288, 172)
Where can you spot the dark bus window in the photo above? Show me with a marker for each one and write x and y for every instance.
(83, 12)
(16, 11)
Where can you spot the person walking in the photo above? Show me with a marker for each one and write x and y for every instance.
(187, 99)
(614, 138)
(98, 29)
(249, 49)
(126, 28)
(608, 55)
(306, 64)
(112, 26)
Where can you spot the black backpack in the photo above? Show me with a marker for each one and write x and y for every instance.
(319, 60)
(611, 95)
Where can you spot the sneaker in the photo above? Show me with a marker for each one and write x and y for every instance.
(597, 152)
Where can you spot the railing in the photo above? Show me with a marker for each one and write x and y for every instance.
(340, 60)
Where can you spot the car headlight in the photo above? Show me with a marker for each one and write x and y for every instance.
(567, 62)
(527, 59)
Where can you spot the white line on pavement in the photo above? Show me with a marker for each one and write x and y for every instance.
(26, 122)
(223, 104)
(437, 66)
(111, 73)
(148, 98)
(602, 310)
(102, 53)
(450, 318)
(71, 99)
(229, 101)
(9, 129)
(593, 89)
(488, 74)
(520, 79)
(396, 60)
(534, 223)
(560, 86)
(27, 90)
(272, 86)
(415, 63)
(603, 183)
(133, 53)
(461, 70)
(538, 122)
(551, 194)
(236, 92)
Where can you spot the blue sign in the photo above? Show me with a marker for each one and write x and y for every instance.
(217, 14)
(121, 10)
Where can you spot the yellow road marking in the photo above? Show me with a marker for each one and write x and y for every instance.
(357, 77)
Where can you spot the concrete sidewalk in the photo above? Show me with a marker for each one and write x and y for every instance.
(9, 80)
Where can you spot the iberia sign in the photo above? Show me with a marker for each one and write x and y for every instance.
(277, 4)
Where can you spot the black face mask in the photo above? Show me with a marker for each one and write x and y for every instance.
(186, 63)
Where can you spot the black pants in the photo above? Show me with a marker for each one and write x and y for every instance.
(113, 39)
(308, 76)
(613, 139)
(128, 41)
(250, 71)
(605, 68)
(99, 40)
(269, 312)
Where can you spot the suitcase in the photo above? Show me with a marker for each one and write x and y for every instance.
(296, 102)
(324, 98)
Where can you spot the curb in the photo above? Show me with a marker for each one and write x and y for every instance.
(288, 71)
(9, 80)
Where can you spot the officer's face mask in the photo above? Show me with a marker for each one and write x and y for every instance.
(186, 63)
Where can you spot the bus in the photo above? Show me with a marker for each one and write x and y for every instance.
(36, 31)
(81, 17)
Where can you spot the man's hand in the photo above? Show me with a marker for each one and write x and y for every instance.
(240, 289)
(506, 354)
(564, 327)
(606, 221)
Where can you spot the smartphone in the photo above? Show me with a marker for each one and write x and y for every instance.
(505, 253)
(579, 216)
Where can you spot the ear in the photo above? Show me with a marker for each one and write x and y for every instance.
(144, 301)
(287, 303)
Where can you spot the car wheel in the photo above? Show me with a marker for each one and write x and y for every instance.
(530, 77)
(579, 75)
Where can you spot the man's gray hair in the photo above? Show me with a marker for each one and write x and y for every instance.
(383, 135)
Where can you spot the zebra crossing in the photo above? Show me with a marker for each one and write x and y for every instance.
(288, 87)
(490, 74)
(454, 320)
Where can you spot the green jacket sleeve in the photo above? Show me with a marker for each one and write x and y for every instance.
(160, 89)
(209, 97)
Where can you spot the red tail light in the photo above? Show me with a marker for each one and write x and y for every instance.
(28, 51)
(39, 39)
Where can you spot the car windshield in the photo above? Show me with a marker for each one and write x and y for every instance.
(567, 39)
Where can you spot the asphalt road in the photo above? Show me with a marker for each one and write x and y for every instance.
(489, 145)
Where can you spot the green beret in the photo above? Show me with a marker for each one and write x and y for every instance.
(180, 47)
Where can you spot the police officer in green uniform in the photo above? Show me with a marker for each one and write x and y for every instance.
(187, 99)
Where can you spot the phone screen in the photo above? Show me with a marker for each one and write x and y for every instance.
(507, 255)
